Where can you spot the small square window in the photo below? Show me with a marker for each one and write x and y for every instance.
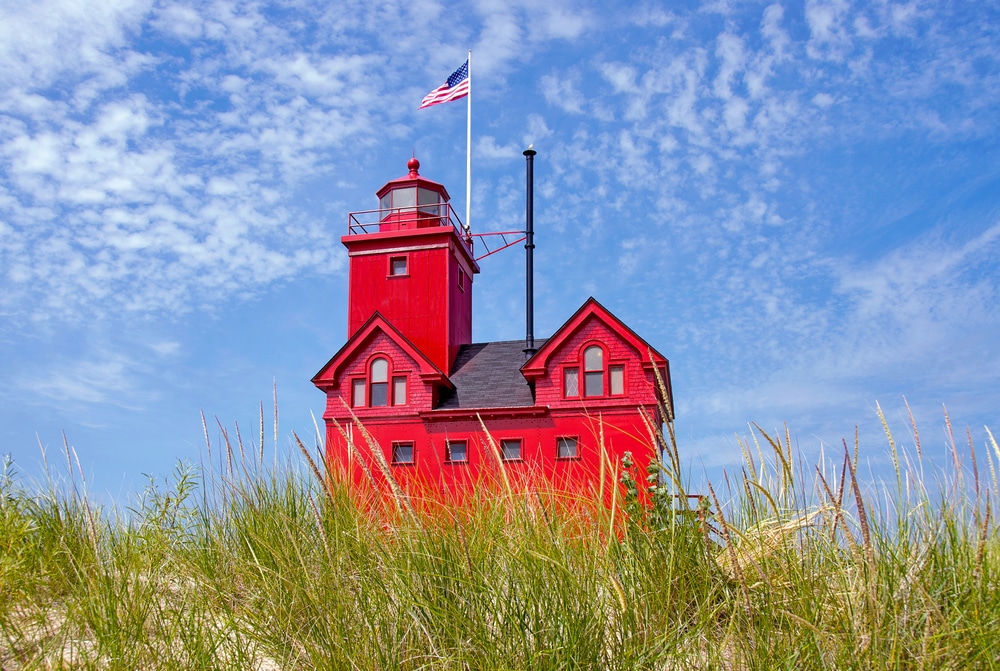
(566, 448)
(616, 378)
(510, 449)
(399, 390)
(402, 453)
(571, 382)
(358, 393)
(397, 265)
(457, 450)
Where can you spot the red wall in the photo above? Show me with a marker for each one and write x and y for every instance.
(623, 431)
(426, 304)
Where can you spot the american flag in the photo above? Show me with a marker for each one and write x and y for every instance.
(456, 87)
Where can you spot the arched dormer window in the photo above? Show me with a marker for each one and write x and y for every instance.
(374, 390)
(593, 371)
(599, 379)
(379, 386)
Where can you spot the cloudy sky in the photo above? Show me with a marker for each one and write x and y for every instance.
(798, 204)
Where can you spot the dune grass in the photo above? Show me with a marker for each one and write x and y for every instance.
(250, 565)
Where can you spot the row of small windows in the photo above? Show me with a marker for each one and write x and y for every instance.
(457, 451)
(595, 373)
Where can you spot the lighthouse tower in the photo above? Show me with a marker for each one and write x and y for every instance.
(411, 263)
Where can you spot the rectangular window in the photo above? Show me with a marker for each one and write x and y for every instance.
(616, 376)
(399, 390)
(566, 448)
(593, 384)
(397, 265)
(358, 393)
(402, 453)
(457, 450)
(571, 382)
(461, 279)
(380, 394)
(510, 449)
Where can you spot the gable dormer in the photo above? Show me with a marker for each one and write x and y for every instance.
(594, 360)
(379, 372)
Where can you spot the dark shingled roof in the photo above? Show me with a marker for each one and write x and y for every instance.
(488, 375)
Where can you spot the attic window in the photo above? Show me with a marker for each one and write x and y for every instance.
(593, 371)
(358, 393)
(375, 390)
(399, 390)
(599, 379)
(571, 382)
(379, 388)
(616, 380)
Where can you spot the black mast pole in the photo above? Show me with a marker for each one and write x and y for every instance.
(529, 247)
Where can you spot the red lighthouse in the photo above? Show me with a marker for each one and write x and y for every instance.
(424, 392)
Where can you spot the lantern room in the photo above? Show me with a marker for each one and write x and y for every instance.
(412, 201)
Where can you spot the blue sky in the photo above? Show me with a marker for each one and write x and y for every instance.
(798, 204)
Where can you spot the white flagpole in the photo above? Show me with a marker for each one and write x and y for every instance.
(468, 154)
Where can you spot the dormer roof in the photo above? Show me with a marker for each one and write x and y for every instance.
(537, 365)
(326, 378)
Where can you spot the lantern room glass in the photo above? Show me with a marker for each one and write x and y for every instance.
(429, 201)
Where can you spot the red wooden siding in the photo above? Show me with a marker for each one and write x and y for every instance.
(425, 304)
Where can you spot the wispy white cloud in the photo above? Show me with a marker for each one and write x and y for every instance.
(562, 92)
(829, 28)
(94, 378)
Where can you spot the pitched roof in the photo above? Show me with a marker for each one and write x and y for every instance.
(326, 378)
(591, 309)
(488, 375)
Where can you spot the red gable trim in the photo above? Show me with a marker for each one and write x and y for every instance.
(326, 378)
(537, 365)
